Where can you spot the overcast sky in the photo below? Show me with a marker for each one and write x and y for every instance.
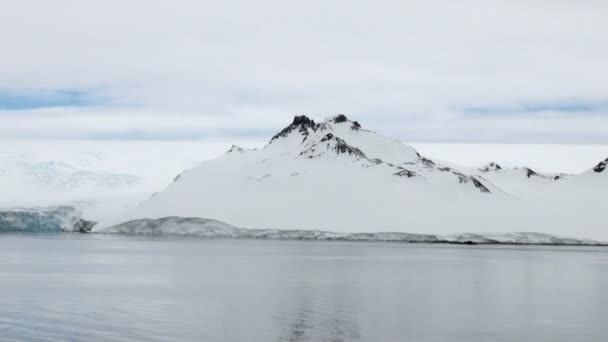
(466, 71)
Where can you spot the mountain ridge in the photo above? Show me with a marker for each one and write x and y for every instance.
(350, 179)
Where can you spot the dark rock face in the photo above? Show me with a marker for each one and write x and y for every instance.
(491, 167)
(343, 148)
(464, 179)
(479, 185)
(601, 166)
(84, 226)
(333, 143)
(355, 126)
(340, 118)
(405, 173)
(427, 162)
(327, 137)
(530, 172)
(303, 120)
(301, 123)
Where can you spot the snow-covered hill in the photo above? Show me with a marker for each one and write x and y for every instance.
(521, 182)
(338, 176)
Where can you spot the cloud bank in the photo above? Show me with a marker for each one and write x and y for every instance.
(498, 71)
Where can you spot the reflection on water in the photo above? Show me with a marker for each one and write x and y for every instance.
(87, 287)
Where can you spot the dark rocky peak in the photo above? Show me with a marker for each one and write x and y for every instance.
(300, 123)
(601, 166)
(491, 167)
(341, 118)
(530, 172)
(303, 120)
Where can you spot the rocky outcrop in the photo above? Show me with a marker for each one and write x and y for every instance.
(342, 147)
(235, 149)
(479, 185)
(464, 179)
(530, 172)
(405, 173)
(341, 118)
(301, 124)
(84, 226)
(601, 166)
(331, 143)
(490, 167)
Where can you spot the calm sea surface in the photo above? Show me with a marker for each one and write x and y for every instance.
(69, 287)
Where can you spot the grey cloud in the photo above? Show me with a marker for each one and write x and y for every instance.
(412, 68)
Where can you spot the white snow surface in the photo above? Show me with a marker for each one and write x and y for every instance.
(100, 178)
(335, 176)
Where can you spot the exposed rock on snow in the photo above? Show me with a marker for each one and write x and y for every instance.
(236, 149)
(405, 173)
(601, 166)
(490, 167)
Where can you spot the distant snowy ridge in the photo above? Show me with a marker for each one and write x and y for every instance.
(54, 175)
(181, 226)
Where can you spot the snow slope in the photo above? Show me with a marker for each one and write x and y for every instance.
(337, 176)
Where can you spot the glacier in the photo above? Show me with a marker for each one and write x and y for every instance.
(51, 219)
(207, 228)
(70, 219)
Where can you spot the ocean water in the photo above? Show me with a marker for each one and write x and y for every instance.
(69, 287)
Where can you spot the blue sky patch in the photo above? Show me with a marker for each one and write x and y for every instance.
(557, 107)
(11, 100)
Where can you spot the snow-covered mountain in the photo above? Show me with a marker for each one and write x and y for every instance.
(337, 176)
